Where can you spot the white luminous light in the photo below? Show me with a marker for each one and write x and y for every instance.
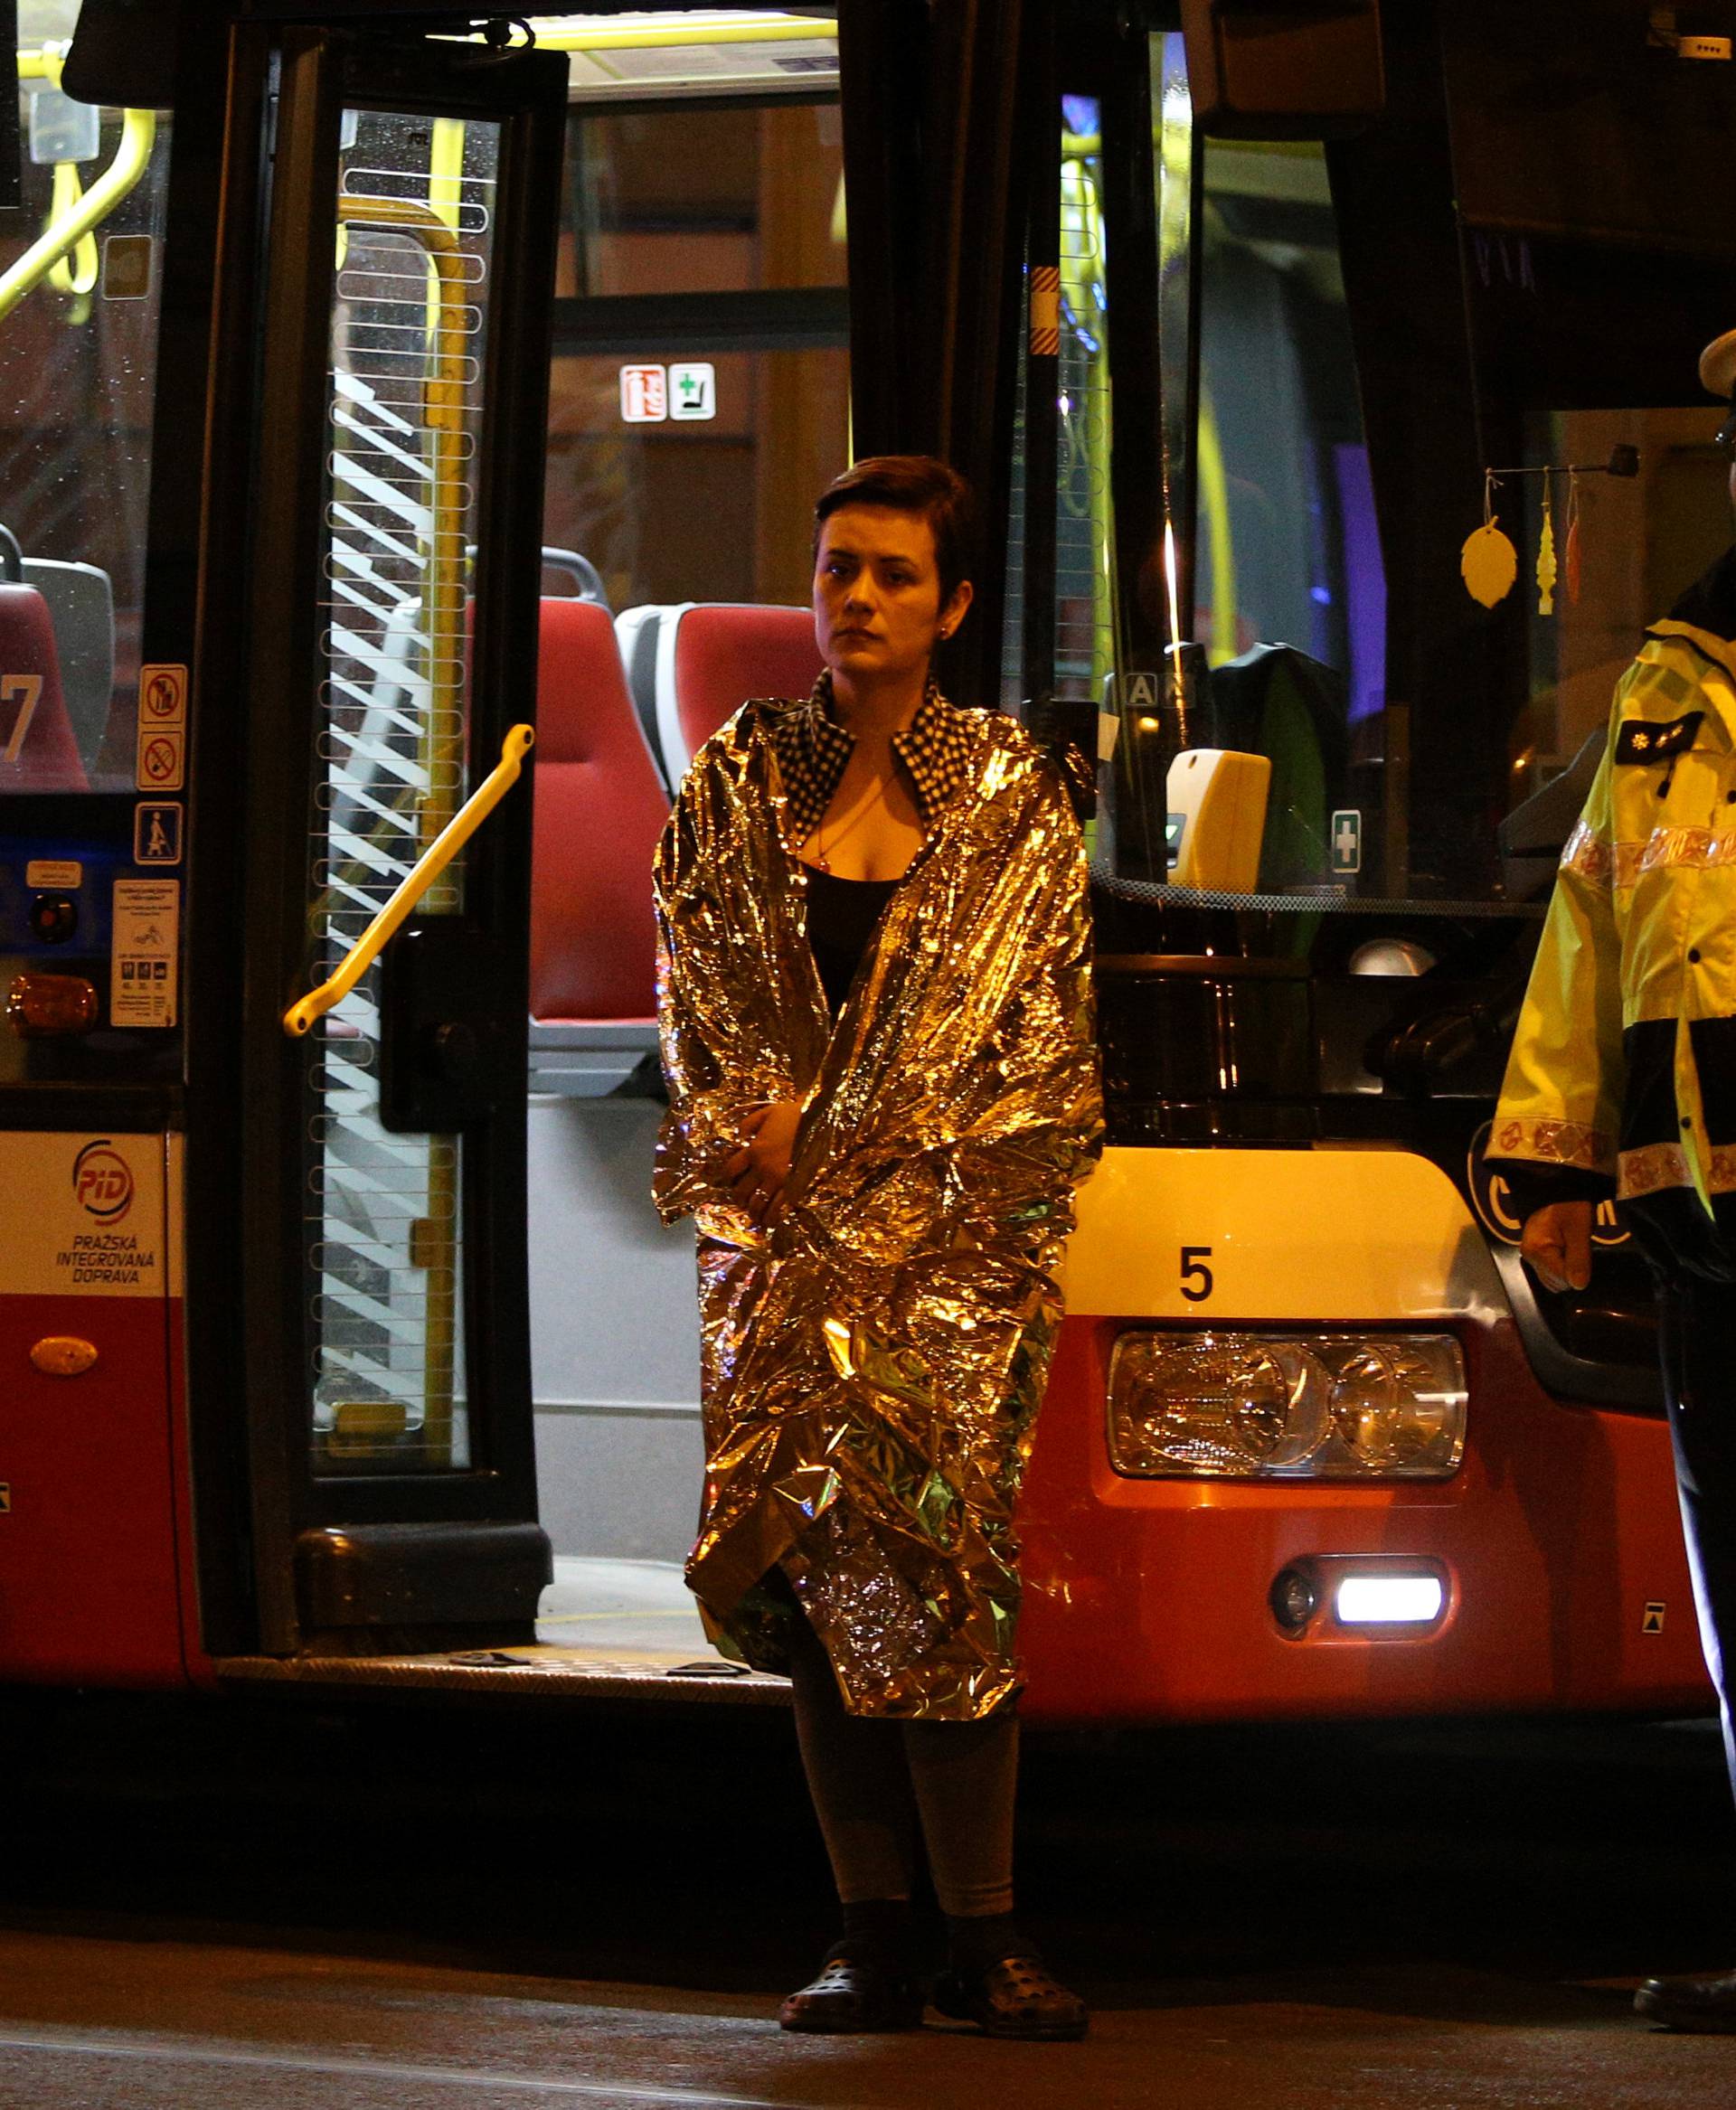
(1389, 1600)
(1171, 581)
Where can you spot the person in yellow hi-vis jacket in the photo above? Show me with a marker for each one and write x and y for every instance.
(1622, 1079)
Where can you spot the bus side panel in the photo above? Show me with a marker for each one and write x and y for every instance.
(89, 1575)
(1148, 1599)
(196, 1662)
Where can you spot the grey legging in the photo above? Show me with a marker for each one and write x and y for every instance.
(872, 1780)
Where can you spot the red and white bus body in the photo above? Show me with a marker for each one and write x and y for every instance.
(298, 1327)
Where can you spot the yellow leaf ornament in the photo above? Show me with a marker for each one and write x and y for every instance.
(1546, 572)
(1489, 564)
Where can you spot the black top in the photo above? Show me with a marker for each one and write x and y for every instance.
(842, 914)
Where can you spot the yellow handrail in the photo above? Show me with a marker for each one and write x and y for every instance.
(76, 275)
(78, 278)
(63, 234)
(755, 28)
(1214, 502)
(301, 1018)
(443, 412)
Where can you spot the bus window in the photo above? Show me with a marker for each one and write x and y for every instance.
(1287, 596)
(701, 385)
(1286, 550)
(1627, 548)
(1260, 493)
(679, 511)
(409, 346)
(78, 372)
(1284, 500)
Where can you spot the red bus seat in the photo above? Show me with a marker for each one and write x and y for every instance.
(600, 810)
(712, 657)
(38, 750)
(82, 603)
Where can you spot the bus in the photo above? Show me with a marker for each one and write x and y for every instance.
(409, 424)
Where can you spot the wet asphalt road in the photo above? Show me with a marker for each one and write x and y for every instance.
(407, 1905)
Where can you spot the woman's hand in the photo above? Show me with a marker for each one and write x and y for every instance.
(758, 1170)
(1557, 1241)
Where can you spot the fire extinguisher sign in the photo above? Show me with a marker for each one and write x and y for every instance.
(645, 395)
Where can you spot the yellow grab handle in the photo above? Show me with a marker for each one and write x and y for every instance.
(68, 228)
(301, 1018)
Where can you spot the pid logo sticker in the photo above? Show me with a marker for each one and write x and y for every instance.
(102, 1180)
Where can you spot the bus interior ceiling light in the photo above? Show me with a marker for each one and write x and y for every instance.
(1245, 1404)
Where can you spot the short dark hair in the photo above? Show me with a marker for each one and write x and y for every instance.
(912, 483)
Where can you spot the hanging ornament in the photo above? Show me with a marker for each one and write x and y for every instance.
(1546, 573)
(1571, 556)
(1488, 563)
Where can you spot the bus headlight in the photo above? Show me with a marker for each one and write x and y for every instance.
(1287, 1406)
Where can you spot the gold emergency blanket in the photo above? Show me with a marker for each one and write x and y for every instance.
(874, 1361)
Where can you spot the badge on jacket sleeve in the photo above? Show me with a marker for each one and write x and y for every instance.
(1641, 739)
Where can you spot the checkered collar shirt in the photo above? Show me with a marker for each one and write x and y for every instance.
(813, 750)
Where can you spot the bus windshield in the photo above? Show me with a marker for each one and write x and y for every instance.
(1263, 758)
(1266, 489)
(79, 284)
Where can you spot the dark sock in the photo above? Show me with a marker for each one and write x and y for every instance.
(983, 1939)
(878, 1930)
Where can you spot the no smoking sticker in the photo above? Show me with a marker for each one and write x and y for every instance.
(162, 759)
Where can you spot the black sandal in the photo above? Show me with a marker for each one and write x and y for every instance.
(1016, 1997)
(854, 1993)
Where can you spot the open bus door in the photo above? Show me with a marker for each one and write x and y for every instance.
(391, 625)
(385, 1152)
(321, 502)
(275, 340)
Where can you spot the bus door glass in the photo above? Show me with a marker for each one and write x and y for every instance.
(393, 640)
(417, 220)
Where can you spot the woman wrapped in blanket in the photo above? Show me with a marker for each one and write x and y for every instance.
(876, 1017)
